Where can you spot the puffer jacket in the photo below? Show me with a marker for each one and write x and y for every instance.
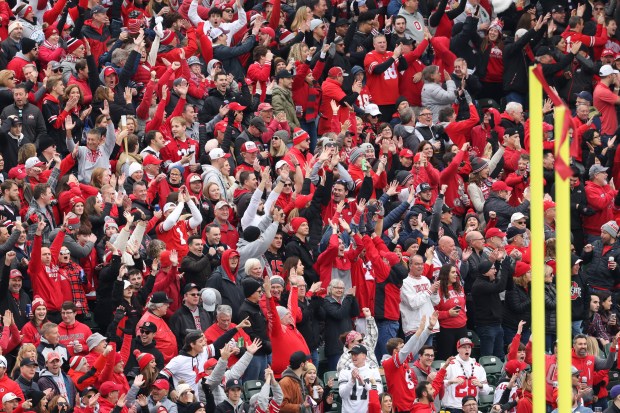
(436, 97)
(224, 280)
(597, 273)
(550, 303)
(517, 307)
(282, 101)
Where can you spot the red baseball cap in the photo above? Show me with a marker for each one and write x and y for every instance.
(15, 274)
(161, 384)
(336, 71)
(151, 160)
(500, 186)
(17, 172)
(607, 52)
(406, 153)
(249, 147)
(236, 106)
(495, 232)
(548, 205)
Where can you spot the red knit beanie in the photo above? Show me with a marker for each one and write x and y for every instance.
(296, 223)
(143, 358)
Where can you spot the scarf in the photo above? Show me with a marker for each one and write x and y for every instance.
(50, 46)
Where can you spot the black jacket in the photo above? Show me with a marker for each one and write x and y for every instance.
(226, 407)
(550, 304)
(231, 293)
(518, 306)
(503, 210)
(393, 282)
(596, 262)
(196, 269)
(136, 344)
(259, 325)
(8, 301)
(183, 320)
(337, 321)
(516, 63)
(312, 313)
(297, 248)
(214, 102)
(488, 308)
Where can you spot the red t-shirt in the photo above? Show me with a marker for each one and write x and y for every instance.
(605, 102)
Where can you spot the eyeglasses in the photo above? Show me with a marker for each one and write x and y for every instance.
(229, 10)
(430, 356)
(144, 332)
(193, 294)
(288, 184)
(64, 253)
(274, 138)
(426, 114)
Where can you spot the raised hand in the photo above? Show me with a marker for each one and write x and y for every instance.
(255, 346)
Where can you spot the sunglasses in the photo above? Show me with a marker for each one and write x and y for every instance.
(229, 10)
(144, 332)
(520, 222)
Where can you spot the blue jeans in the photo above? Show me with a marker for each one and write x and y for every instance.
(549, 343)
(311, 128)
(387, 329)
(314, 354)
(332, 362)
(256, 368)
(491, 340)
(576, 327)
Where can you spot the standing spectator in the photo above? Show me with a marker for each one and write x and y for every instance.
(250, 309)
(339, 309)
(434, 96)
(190, 315)
(33, 123)
(606, 101)
(417, 297)
(518, 304)
(600, 196)
(355, 382)
(452, 311)
(415, 21)
(157, 307)
(600, 269)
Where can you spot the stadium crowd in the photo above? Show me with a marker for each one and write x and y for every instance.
(300, 207)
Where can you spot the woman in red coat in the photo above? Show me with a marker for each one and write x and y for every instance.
(525, 405)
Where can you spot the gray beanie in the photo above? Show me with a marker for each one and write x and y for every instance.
(357, 152)
(282, 311)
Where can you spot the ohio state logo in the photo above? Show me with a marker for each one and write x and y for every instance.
(575, 291)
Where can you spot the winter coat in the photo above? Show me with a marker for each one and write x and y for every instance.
(503, 210)
(436, 97)
(259, 325)
(488, 308)
(224, 280)
(229, 56)
(183, 321)
(282, 101)
(516, 62)
(517, 307)
(46, 381)
(596, 265)
(294, 392)
(337, 321)
(550, 303)
(196, 269)
(600, 199)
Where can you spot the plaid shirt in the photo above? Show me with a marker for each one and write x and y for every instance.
(72, 270)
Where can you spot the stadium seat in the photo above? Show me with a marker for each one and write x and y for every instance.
(252, 386)
(485, 402)
(493, 367)
(334, 407)
(475, 352)
(330, 374)
(437, 364)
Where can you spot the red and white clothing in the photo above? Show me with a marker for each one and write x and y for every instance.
(469, 370)
(176, 237)
(605, 102)
(416, 300)
(455, 298)
(354, 394)
(383, 86)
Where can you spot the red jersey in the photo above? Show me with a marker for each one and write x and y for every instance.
(175, 149)
(364, 97)
(605, 102)
(401, 381)
(176, 237)
(382, 86)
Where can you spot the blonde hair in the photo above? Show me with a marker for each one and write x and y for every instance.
(300, 17)
(5, 75)
(296, 52)
(26, 347)
(592, 346)
(28, 150)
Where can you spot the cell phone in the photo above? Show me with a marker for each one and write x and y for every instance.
(458, 307)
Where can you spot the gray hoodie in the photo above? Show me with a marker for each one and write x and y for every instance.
(257, 248)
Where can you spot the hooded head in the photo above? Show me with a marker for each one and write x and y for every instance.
(226, 255)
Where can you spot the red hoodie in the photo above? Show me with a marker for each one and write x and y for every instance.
(601, 199)
(47, 282)
(69, 333)
(460, 132)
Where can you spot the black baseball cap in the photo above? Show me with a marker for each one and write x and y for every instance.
(359, 349)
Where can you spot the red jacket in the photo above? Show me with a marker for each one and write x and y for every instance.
(16, 64)
(601, 199)
(9, 386)
(302, 159)
(456, 186)
(170, 284)
(304, 95)
(511, 159)
(259, 77)
(47, 282)
(285, 339)
(378, 181)
(460, 132)
(518, 187)
(87, 94)
(407, 88)
(31, 334)
(331, 90)
(328, 260)
(481, 134)
(97, 38)
(427, 174)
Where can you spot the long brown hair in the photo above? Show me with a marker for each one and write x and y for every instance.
(444, 281)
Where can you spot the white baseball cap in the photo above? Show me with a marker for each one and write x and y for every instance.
(217, 153)
(605, 70)
(280, 164)
(372, 109)
(168, 206)
(10, 396)
(32, 162)
(516, 216)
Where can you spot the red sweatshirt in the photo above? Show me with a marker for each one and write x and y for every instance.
(47, 282)
(445, 304)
